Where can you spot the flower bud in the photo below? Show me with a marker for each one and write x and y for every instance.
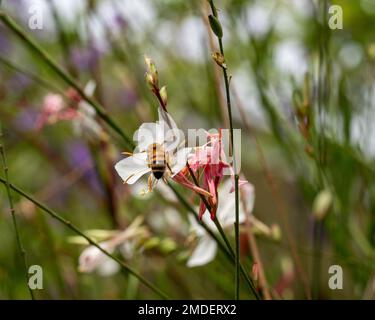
(276, 232)
(215, 26)
(322, 204)
(151, 243)
(163, 95)
(219, 59)
(167, 245)
(151, 71)
(149, 80)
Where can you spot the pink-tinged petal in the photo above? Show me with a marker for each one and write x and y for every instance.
(68, 114)
(181, 179)
(92, 257)
(132, 168)
(204, 253)
(180, 160)
(202, 209)
(53, 103)
(241, 183)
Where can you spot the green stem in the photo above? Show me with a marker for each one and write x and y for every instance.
(232, 152)
(72, 227)
(12, 25)
(13, 213)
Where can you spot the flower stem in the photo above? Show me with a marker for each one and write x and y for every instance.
(232, 153)
(13, 213)
(12, 25)
(72, 227)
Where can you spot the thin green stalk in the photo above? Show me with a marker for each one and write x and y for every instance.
(232, 151)
(72, 227)
(47, 85)
(13, 213)
(12, 25)
(322, 100)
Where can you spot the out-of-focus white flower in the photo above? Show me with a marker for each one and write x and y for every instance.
(93, 259)
(86, 124)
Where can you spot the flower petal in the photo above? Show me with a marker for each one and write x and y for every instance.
(204, 253)
(149, 133)
(132, 168)
(180, 160)
(108, 267)
(92, 257)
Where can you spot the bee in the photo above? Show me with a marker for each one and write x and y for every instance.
(157, 160)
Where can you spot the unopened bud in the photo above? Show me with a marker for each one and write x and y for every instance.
(276, 232)
(151, 243)
(322, 204)
(163, 95)
(149, 80)
(152, 73)
(167, 245)
(219, 59)
(215, 26)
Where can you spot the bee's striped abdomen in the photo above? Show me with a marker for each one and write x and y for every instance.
(156, 159)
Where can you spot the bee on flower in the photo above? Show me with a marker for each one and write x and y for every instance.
(160, 152)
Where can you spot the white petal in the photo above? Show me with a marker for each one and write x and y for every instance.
(174, 138)
(92, 257)
(226, 211)
(166, 120)
(204, 252)
(108, 267)
(132, 168)
(180, 160)
(149, 133)
(90, 88)
(195, 227)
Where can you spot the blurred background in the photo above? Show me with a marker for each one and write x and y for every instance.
(303, 95)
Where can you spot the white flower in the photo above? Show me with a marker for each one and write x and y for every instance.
(206, 249)
(92, 259)
(86, 124)
(164, 134)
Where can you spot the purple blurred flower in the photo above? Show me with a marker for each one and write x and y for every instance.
(25, 119)
(127, 98)
(19, 82)
(79, 157)
(5, 45)
(120, 21)
(85, 58)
